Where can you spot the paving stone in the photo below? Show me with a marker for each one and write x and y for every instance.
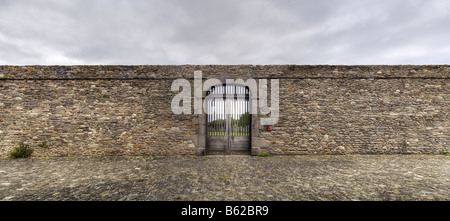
(328, 178)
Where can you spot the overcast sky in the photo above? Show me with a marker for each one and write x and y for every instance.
(128, 32)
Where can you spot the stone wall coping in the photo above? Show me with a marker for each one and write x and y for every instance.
(130, 72)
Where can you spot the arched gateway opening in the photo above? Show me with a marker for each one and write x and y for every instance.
(228, 119)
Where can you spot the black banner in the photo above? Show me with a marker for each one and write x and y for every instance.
(260, 210)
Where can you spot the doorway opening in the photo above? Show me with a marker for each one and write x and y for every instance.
(228, 119)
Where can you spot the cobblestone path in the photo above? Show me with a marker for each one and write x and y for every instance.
(286, 178)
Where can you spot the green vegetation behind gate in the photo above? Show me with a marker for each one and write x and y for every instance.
(222, 133)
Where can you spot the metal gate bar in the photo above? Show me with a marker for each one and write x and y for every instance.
(228, 119)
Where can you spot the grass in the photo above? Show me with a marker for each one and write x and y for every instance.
(263, 155)
(23, 151)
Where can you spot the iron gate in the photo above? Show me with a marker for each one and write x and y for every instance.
(228, 127)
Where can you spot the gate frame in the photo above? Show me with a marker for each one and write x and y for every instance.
(228, 148)
(199, 139)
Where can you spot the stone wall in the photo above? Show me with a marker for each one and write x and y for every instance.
(125, 110)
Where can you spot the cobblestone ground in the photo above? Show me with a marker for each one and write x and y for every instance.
(318, 178)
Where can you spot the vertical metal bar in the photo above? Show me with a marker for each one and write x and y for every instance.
(243, 116)
(245, 119)
(228, 116)
(242, 112)
(240, 122)
(232, 117)
(248, 118)
(240, 117)
(221, 115)
(225, 116)
(218, 117)
(207, 118)
(211, 118)
(210, 115)
(245, 105)
(215, 117)
(235, 117)
(219, 127)
(247, 115)
(238, 132)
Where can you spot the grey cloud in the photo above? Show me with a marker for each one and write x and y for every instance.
(224, 32)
